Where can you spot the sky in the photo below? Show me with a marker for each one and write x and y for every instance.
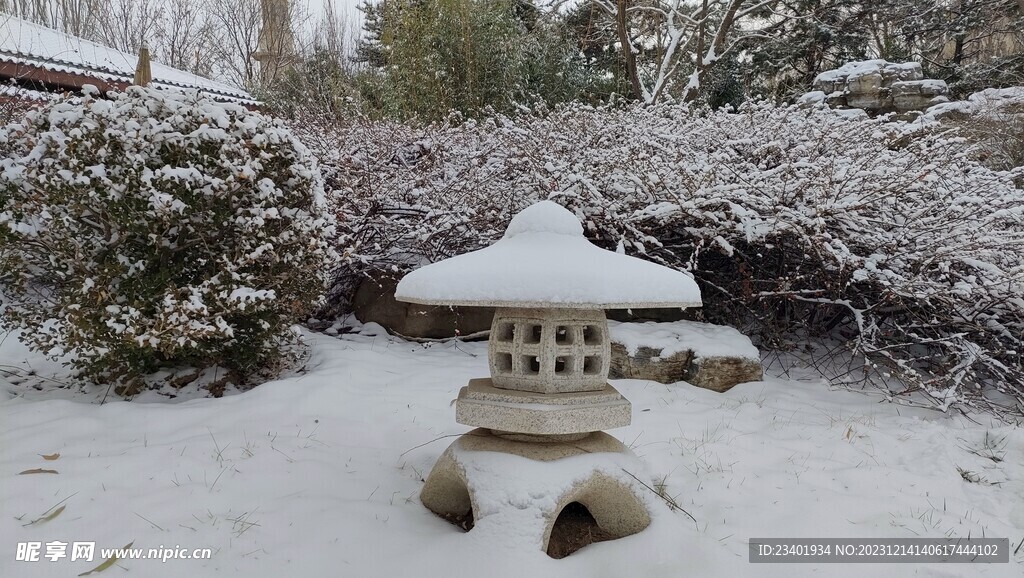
(349, 6)
(346, 7)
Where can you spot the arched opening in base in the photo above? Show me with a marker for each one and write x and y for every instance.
(574, 528)
(462, 521)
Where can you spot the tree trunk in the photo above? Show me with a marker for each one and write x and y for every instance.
(627, 50)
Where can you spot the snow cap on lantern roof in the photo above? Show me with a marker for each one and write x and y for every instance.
(545, 261)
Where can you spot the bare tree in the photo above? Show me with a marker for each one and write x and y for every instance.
(34, 10)
(276, 50)
(206, 37)
(684, 37)
(79, 17)
(337, 34)
(127, 24)
(185, 40)
(237, 25)
(76, 17)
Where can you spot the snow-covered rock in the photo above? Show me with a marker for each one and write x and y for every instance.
(851, 113)
(877, 86)
(991, 101)
(887, 72)
(813, 97)
(710, 356)
(918, 94)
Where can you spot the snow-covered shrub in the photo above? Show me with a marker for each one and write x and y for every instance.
(993, 119)
(15, 102)
(158, 228)
(796, 222)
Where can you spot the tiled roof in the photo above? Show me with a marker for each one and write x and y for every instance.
(27, 44)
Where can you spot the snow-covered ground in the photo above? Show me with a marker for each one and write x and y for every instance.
(317, 474)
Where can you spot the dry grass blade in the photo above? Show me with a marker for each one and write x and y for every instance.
(38, 471)
(672, 504)
(107, 563)
(47, 517)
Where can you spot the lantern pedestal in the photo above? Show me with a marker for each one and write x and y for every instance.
(521, 487)
(481, 404)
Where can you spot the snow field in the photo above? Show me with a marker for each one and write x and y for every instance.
(318, 474)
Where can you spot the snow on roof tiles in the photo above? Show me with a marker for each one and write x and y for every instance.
(29, 44)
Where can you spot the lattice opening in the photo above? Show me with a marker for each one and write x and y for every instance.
(503, 362)
(531, 365)
(506, 332)
(562, 365)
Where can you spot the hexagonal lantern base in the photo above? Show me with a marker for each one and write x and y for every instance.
(504, 484)
(481, 404)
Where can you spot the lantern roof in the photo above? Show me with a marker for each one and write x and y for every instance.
(545, 261)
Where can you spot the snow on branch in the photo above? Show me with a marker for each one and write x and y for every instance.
(683, 36)
(798, 222)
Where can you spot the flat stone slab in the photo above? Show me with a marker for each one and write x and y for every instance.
(480, 404)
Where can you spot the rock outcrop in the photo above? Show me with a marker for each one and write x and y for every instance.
(708, 356)
(918, 94)
(877, 87)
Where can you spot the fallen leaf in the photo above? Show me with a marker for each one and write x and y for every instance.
(48, 517)
(38, 471)
(106, 563)
(50, 457)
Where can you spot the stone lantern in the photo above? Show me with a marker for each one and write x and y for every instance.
(541, 411)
